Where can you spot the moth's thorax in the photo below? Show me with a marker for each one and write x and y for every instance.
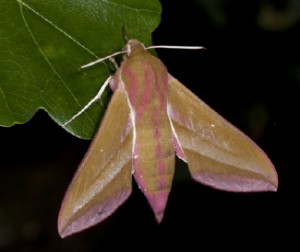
(145, 79)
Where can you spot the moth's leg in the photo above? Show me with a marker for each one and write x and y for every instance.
(97, 97)
(113, 60)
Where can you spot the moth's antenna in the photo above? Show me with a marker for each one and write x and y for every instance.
(102, 59)
(97, 97)
(147, 48)
(176, 47)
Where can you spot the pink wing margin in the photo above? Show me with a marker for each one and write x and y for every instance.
(103, 180)
(217, 153)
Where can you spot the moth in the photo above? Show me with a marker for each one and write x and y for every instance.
(151, 118)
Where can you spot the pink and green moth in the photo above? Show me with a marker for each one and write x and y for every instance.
(151, 118)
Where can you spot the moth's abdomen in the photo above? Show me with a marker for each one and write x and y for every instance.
(154, 162)
(156, 158)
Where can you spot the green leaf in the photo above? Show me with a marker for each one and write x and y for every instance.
(43, 44)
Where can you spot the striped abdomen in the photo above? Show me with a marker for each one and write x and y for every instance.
(145, 79)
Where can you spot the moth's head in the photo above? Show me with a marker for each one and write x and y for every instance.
(134, 46)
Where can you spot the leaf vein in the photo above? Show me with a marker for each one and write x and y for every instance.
(6, 104)
(56, 27)
(42, 53)
(128, 7)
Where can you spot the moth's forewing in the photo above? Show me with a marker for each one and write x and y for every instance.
(217, 153)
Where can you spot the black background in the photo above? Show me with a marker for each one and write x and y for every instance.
(250, 74)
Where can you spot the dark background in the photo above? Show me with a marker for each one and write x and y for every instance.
(250, 74)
